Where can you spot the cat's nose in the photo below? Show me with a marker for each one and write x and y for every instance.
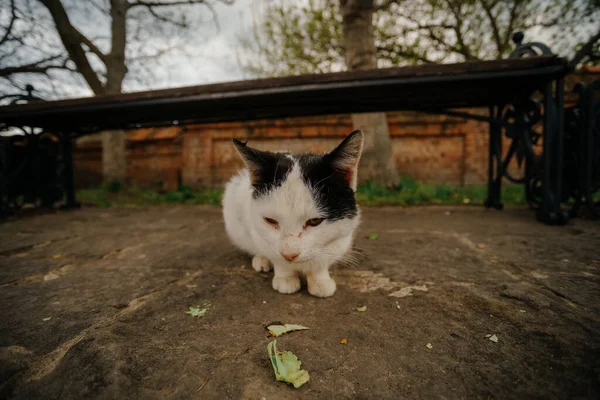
(290, 256)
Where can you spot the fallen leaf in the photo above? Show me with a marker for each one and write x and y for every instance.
(488, 335)
(522, 311)
(344, 341)
(361, 309)
(278, 330)
(46, 319)
(287, 366)
(494, 338)
(197, 311)
(373, 236)
(429, 346)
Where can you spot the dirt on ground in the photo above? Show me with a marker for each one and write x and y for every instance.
(93, 303)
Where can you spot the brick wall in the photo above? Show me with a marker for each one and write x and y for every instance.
(428, 148)
(425, 147)
(153, 159)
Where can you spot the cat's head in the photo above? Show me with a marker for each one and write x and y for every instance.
(303, 204)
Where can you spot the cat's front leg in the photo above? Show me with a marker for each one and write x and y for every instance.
(285, 281)
(261, 263)
(320, 283)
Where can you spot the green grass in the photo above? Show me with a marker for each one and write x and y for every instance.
(407, 193)
(119, 195)
(410, 192)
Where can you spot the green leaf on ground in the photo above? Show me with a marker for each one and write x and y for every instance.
(373, 236)
(197, 311)
(278, 330)
(287, 366)
(361, 309)
(47, 319)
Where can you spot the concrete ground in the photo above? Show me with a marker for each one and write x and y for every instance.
(116, 283)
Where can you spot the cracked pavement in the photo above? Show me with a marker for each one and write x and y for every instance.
(116, 284)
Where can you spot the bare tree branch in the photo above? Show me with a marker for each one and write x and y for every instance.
(157, 54)
(464, 49)
(214, 14)
(162, 18)
(71, 39)
(9, 54)
(40, 66)
(585, 50)
(11, 24)
(511, 22)
(90, 45)
(440, 41)
(496, 33)
(384, 51)
(150, 4)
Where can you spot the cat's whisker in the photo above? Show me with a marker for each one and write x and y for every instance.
(351, 261)
(361, 250)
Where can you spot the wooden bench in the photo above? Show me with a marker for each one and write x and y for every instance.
(519, 92)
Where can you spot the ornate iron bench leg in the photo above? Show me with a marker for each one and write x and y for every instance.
(550, 211)
(495, 167)
(590, 152)
(69, 185)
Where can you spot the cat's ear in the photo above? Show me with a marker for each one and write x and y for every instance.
(254, 159)
(346, 156)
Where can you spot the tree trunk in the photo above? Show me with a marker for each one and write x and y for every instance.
(377, 162)
(114, 143)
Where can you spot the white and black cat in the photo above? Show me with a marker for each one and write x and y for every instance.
(295, 212)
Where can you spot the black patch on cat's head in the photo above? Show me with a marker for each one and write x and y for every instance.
(267, 170)
(331, 177)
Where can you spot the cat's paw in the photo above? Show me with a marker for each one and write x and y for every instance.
(321, 287)
(286, 284)
(261, 263)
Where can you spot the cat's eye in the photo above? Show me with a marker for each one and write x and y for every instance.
(271, 222)
(314, 221)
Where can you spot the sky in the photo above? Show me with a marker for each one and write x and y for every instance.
(216, 60)
(207, 53)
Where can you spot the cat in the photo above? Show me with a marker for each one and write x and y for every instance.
(294, 212)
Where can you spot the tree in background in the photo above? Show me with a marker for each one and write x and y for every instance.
(377, 161)
(319, 36)
(46, 38)
(291, 38)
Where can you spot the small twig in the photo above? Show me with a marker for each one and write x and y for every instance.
(203, 384)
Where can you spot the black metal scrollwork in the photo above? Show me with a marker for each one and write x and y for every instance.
(588, 149)
(580, 146)
(33, 164)
(527, 49)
